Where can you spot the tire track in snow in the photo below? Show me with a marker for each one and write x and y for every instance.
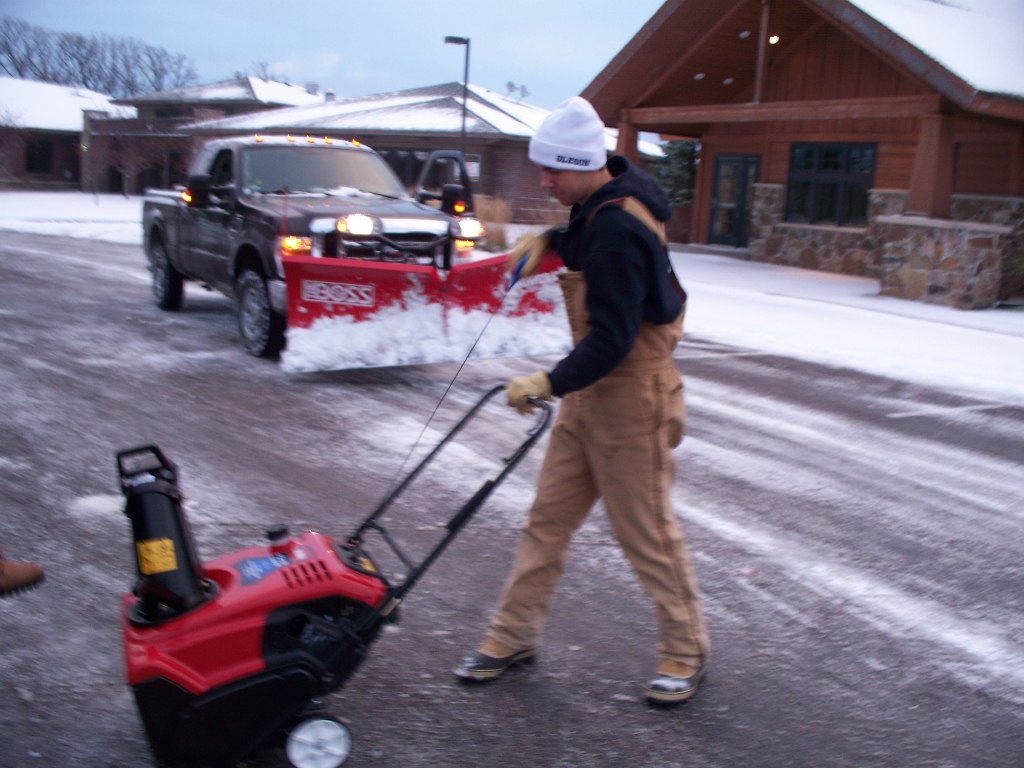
(897, 612)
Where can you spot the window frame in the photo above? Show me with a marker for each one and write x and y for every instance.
(828, 182)
(40, 157)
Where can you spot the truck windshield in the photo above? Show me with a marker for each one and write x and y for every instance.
(317, 169)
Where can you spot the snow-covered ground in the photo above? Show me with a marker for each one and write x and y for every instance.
(832, 319)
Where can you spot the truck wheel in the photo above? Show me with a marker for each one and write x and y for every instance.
(167, 282)
(261, 327)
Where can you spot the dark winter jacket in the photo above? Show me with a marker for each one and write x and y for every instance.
(627, 272)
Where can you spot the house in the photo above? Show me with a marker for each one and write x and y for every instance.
(405, 126)
(151, 150)
(871, 137)
(41, 131)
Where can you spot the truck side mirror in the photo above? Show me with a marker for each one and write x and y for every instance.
(442, 174)
(197, 193)
(453, 200)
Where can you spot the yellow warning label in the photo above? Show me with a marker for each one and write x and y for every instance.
(156, 556)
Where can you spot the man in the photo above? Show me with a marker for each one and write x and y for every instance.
(622, 411)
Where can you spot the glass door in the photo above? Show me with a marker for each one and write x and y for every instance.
(731, 197)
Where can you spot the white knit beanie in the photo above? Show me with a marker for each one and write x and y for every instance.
(571, 138)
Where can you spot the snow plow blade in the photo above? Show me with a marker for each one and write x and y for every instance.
(355, 313)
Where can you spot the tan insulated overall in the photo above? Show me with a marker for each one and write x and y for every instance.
(612, 441)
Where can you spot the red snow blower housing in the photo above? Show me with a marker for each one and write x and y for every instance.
(223, 655)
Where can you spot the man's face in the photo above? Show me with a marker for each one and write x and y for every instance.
(567, 187)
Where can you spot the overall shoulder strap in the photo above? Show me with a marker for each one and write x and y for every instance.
(635, 208)
(638, 210)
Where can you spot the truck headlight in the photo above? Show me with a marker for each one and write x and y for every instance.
(467, 228)
(359, 224)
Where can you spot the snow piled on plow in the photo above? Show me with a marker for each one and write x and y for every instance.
(426, 332)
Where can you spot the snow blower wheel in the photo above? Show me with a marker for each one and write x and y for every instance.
(319, 742)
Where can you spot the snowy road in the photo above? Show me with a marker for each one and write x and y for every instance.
(858, 540)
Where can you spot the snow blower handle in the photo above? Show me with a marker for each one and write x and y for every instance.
(471, 506)
(467, 510)
(485, 490)
(516, 273)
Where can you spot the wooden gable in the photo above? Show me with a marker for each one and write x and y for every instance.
(712, 70)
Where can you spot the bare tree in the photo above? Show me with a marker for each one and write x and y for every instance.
(260, 69)
(16, 48)
(164, 71)
(116, 66)
(11, 144)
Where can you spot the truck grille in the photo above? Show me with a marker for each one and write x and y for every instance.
(407, 248)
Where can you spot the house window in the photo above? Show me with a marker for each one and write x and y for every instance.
(39, 156)
(829, 183)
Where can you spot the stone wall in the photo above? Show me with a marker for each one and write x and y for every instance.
(1009, 212)
(971, 261)
(941, 261)
(846, 250)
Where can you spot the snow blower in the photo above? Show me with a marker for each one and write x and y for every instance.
(224, 655)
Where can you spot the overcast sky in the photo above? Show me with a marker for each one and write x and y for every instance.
(553, 47)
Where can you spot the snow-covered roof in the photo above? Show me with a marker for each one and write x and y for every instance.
(979, 41)
(432, 109)
(49, 107)
(244, 89)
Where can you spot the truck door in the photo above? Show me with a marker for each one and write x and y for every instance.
(215, 224)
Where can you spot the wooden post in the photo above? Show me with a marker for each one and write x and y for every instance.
(931, 180)
(1016, 183)
(762, 50)
(627, 144)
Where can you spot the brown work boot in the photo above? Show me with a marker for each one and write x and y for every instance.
(490, 662)
(675, 683)
(16, 576)
(479, 667)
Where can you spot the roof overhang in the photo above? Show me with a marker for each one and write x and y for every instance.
(887, 43)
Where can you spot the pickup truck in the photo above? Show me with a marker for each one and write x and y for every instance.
(251, 202)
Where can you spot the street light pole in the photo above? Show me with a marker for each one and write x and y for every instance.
(452, 40)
